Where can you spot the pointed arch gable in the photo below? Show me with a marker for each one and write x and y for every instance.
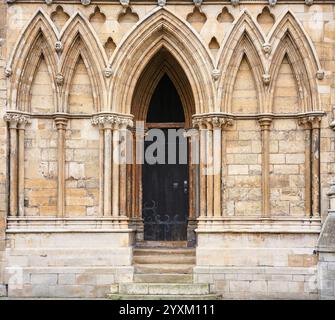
(79, 50)
(28, 46)
(245, 40)
(79, 39)
(289, 49)
(161, 29)
(289, 37)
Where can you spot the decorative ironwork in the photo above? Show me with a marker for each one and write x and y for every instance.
(167, 227)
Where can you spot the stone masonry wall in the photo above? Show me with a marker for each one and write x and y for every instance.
(253, 255)
(3, 144)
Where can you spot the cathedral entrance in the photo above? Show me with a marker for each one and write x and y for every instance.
(164, 179)
(165, 170)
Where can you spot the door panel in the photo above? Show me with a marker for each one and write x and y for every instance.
(165, 199)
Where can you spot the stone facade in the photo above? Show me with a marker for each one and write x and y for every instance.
(257, 75)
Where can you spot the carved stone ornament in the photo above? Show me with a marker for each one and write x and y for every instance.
(48, 2)
(309, 2)
(59, 79)
(124, 3)
(266, 78)
(114, 121)
(272, 3)
(161, 3)
(8, 72)
(197, 3)
(18, 118)
(320, 74)
(216, 73)
(108, 72)
(267, 48)
(85, 2)
(58, 46)
(235, 2)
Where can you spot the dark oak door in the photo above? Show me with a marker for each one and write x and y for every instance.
(165, 199)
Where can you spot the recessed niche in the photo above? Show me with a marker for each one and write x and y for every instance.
(128, 16)
(59, 17)
(214, 46)
(109, 46)
(225, 16)
(97, 16)
(266, 19)
(197, 19)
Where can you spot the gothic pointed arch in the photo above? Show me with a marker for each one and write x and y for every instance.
(37, 39)
(161, 29)
(163, 63)
(245, 41)
(79, 39)
(289, 38)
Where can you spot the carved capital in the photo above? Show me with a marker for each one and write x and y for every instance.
(16, 120)
(61, 122)
(310, 122)
(215, 121)
(112, 121)
(309, 2)
(265, 123)
(235, 2)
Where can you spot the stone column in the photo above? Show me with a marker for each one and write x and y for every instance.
(113, 168)
(209, 167)
(101, 169)
(265, 124)
(315, 122)
(211, 159)
(105, 124)
(21, 128)
(200, 124)
(306, 124)
(124, 155)
(16, 158)
(61, 123)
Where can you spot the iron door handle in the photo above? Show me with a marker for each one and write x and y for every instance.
(185, 186)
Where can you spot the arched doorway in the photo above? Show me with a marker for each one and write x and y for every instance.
(163, 186)
(165, 173)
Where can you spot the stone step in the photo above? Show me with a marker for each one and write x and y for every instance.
(162, 244)
(164, 288)
(157, 259)
(163, 297)
(164, 268)
(166, 278)
(163, 251)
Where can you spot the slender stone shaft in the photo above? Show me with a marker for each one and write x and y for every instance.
(265, 128)
(13, 204)
(61, 124)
